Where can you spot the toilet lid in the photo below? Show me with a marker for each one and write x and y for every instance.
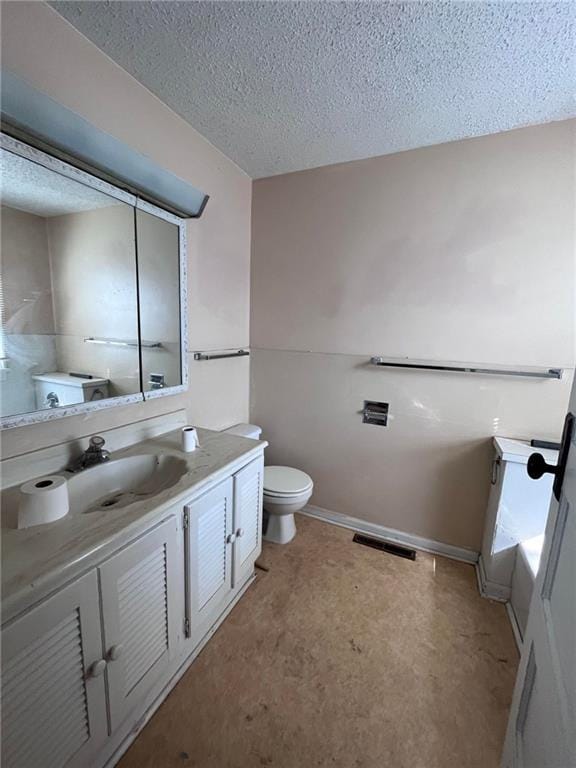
(280, 480)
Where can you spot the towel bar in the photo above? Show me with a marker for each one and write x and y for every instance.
(220, 355)
(550, 373)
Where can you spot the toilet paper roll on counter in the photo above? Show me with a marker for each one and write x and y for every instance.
(43, 500)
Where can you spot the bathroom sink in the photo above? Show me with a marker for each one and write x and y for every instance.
(120, 482)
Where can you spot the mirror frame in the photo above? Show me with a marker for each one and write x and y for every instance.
(29, 152)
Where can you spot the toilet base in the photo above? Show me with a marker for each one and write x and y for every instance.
(281, 528)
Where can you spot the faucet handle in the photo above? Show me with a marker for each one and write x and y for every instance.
(95, 448)
(93, 455)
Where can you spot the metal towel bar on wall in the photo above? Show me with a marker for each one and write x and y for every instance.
(220, 355)
(550, 373)
(123, 342)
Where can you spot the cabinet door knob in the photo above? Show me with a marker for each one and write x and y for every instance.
(231, 538)
(115, 652)
(240, 532)
(97, 668)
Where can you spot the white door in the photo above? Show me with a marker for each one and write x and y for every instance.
(53, 692)
(542, 724)
(247, 519)
(140, 615)
(209, 542)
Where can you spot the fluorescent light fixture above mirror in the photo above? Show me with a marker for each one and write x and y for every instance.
(31, 115)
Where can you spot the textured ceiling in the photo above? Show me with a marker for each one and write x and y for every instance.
(281, 86)
(30, 187)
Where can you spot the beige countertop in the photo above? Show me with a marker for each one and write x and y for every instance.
(39, 560)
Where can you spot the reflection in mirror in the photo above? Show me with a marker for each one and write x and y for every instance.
(159, 284)
(67, 291)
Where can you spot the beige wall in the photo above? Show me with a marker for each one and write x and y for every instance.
(25, 273)
(93, 261)
(464, 252)
(28, 319)
(43, 49)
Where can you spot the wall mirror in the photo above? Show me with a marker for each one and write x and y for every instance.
(92, 291)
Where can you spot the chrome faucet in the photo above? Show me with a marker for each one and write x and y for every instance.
(93, 455)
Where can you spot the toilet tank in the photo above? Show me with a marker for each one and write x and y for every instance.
(57, 389)
(245, 430)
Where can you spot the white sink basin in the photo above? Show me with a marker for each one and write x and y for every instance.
(118, 483)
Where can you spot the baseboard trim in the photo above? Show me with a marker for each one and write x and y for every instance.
(391, 534)
(490, 589)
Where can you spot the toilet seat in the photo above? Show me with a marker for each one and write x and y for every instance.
(286, 496)
(285, 482)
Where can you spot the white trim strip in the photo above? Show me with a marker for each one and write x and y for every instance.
(515, 627)
(490, 589)
(392, 534)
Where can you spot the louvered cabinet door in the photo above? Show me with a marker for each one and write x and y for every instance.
(53, 697)
(208, 557)
(139, 611)
(247, 519)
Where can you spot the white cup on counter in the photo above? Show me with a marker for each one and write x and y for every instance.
(190, 439)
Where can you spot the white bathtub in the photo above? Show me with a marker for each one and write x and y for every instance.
(528, 556)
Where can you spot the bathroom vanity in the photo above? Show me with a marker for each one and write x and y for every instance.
(105, 609)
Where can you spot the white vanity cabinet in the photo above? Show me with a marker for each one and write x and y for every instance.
(223, 538)
(90, 648)
(53, 686)
(208, 523)
(248, 490)
(113, 628)
(140, 615)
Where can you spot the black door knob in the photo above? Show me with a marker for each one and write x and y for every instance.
(537, 466)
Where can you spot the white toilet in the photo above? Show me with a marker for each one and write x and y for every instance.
(286, 491)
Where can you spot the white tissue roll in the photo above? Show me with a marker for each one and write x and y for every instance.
(43, 500)
(189, 439)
